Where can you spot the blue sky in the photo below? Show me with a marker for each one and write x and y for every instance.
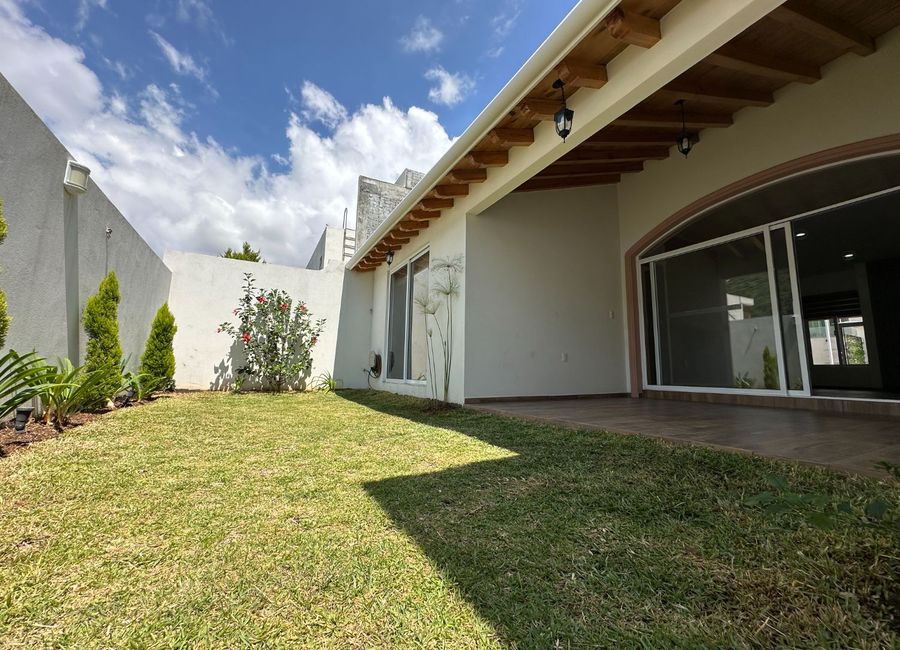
(264, 93)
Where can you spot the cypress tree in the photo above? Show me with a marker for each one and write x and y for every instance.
(101, 314)
(4, 317)
(159, 356)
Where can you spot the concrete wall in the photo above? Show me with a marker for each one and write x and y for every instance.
(335, 244)
(376, 199)
(542, 306)
(445, 237)
(205, 290)
(36, 253)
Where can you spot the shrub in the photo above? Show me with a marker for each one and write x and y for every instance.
(275, 335)
(142, 385)
(158, 361)
(103, 349)
(21, 378)
(4, 316)
(71, 390)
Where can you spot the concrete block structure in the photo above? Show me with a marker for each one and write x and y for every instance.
(376, 199)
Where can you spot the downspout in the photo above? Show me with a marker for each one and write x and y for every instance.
(584, 18)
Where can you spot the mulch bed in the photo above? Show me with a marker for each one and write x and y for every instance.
(12, 442)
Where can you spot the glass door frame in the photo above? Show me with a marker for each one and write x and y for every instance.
(765, 231)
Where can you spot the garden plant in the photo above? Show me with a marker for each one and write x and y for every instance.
(158, 360)
(275, 336)
(104, 352)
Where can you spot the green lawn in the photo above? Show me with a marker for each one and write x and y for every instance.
(360, 521)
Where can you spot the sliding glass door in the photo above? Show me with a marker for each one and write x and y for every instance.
(723, 315)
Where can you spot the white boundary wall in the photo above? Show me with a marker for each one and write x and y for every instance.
(205, 290)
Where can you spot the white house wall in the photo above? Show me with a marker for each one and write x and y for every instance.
(543, 310)
(445, 237)
(205, 290)
(857, 99)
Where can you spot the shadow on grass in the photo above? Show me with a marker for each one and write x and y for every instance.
(586, 539)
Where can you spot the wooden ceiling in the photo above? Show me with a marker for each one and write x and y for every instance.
(790, 45)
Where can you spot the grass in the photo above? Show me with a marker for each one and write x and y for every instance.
(358, 520)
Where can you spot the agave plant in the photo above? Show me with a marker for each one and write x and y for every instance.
(69, 390)
(142, 385)
(21, 379)
(325, 382)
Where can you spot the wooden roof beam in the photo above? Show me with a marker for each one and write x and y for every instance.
(434, 205)
(632, 28)
(539, 109)
(488, 158)
(695, 93)
(468, 175)
(590, 169)
(422, 215)
(449, 191)
(507, 137)
(809, 19)
(582, 75)
(741, 59)
(638, 154)
(617, 137)
(537, 184)
(672, 119)
(412, 227)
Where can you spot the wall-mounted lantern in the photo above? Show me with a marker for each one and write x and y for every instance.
(76, 180)
(564, 116)
(390, 257)
(685, 141)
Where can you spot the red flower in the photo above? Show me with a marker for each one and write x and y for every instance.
(283, 306)
(261, 298)
(303, 308)
(246, 337)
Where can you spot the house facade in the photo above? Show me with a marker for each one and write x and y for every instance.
(760, 268)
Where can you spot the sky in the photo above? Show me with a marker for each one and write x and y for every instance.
(211, 122)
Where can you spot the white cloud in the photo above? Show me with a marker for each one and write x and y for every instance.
(504, 22)
(423, 37)
(187, 192)
(200, 14)
(451, 88)
(181, 62)
(321, 106)
(84, 12)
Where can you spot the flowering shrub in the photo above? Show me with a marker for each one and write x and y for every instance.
(276, 337)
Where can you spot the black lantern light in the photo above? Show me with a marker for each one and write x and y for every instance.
(563, 117)
(390, 257)
(685, 141)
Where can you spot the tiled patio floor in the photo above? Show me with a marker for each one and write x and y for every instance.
(852, 443)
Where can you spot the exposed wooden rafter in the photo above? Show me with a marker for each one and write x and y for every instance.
(693, 92)
(672, 119)
(488, 158)
(809, 19)
(536, 184)
(582, 75)
(539, 109)
(590, 169)
(760, 64)
(614, 155)
(468, 175)
(506, 137)
(434, 205)
(632, 28)
(629, 137)
(449, 191)
(422, 215)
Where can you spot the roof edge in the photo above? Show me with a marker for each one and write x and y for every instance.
(583, 18)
